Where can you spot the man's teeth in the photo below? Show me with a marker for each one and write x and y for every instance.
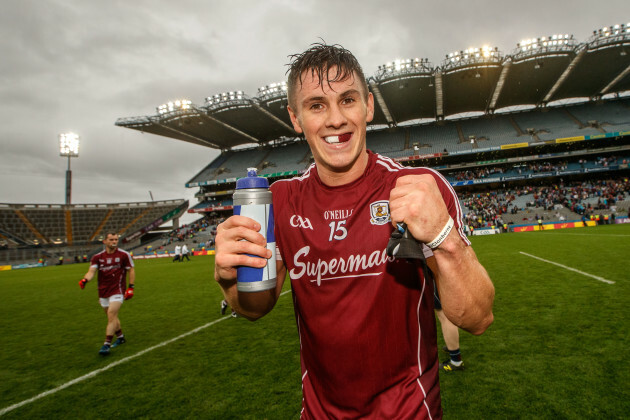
(338, 139)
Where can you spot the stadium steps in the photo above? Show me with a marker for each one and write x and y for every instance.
(68, 217)
(140, 216)
(574, 118)
(10, 237)
(100, 226)
(31, 227)
(518, 129)
(460, 133)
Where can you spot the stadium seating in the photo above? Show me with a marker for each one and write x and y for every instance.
(495, 131)
(29, 231)
(285, 158)
(610, 115)
(387, 141)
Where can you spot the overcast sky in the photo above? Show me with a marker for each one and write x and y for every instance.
(78, 65)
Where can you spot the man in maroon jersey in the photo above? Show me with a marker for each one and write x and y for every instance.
(112, 264)
(366, 322)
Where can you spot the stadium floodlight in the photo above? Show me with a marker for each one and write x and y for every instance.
(226, 99)
(272, 91)
(404, 66)
(69, 147)
(608, 35)
(483, 55)
(557, 43)
(178, 105)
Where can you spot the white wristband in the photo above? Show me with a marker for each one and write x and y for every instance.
(442, 235)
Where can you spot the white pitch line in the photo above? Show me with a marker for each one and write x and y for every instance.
(570, 268)
(111, 365)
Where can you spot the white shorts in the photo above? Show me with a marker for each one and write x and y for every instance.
(114, 298)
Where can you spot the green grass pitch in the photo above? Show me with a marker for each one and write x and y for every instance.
(557, 348)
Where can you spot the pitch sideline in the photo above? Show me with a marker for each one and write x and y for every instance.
(111, 365)
(570, 268)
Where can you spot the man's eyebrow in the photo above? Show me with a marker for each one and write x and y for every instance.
(314, 99)
(350, 92)
(345, 94)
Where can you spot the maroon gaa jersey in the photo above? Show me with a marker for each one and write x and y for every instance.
(365, 320)
(112, 270)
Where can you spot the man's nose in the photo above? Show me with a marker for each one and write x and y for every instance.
(336, 117)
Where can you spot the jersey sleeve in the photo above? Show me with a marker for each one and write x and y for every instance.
(128, 261)
(94, 261)
(278, 194)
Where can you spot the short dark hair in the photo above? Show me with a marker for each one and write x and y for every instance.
(111, 232)
(318, 59)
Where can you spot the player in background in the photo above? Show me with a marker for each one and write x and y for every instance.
(366, 323)
(113, 264)
(224, 306)
(450, 332)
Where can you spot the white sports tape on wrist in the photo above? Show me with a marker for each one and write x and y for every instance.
(442, 235)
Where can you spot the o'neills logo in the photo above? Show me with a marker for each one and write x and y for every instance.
(337, 268)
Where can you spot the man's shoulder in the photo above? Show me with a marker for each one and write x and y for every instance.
(122, 252)
(290, 184)
(98, 255)
(387, 165)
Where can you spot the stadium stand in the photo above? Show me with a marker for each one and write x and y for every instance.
(388, 142)
(554, 110)
(285, 158)
(30, 231)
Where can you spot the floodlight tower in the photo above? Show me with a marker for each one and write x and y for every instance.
(69, 146)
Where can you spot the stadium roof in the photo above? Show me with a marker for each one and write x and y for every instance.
(538, 71)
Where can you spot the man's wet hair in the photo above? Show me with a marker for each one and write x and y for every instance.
(317, 60)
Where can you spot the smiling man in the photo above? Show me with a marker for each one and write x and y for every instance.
(366, 321)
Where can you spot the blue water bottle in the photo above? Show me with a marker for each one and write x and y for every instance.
(252, 198)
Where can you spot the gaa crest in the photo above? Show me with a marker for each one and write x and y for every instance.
(379, 212)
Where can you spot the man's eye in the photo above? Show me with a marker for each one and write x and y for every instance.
(348, 100)
(316, 107)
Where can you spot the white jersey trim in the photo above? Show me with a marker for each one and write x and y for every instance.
(300, 178)
(424, 400)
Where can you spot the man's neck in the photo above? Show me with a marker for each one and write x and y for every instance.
(333, 178)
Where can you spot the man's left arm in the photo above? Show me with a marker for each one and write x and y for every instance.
(465, 288)
(131, 273)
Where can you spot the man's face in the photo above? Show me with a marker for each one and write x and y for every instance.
(333, 119)
(111, 242)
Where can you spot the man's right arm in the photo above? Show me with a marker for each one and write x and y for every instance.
(87, 277)
(237, 237)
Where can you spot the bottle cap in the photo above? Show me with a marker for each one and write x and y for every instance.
(252, 180)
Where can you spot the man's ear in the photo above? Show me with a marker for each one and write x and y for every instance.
(295, 121)
(370, 107)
